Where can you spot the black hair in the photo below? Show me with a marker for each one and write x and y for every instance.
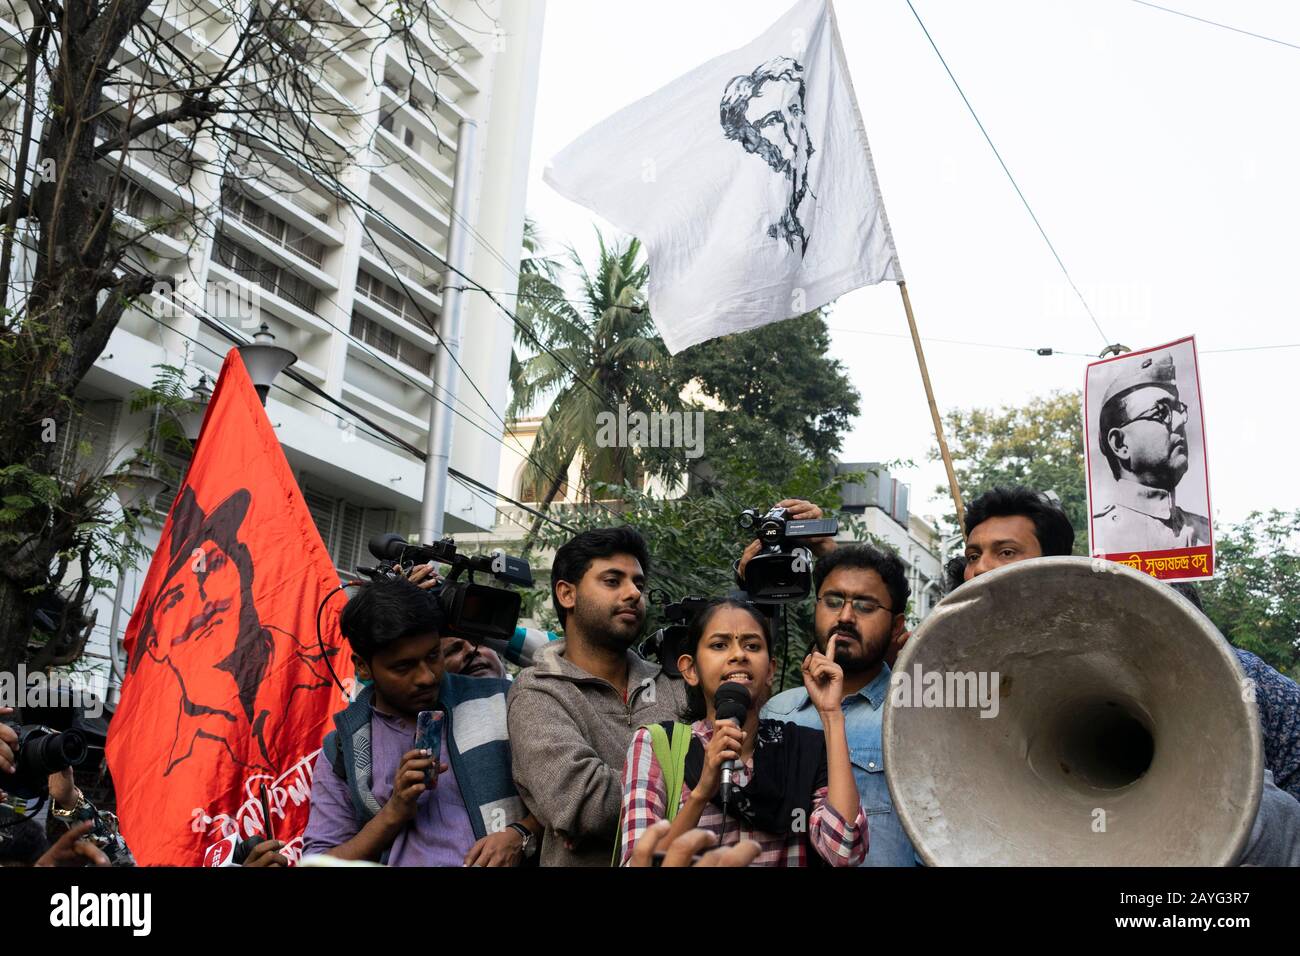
(1052, 527)
(385, 611)
(696, 707)
(574, 558)
(885, 563)
(955, 573)
(22, 840)
(1189, 590)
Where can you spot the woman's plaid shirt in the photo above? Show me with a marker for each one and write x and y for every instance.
(837, 841)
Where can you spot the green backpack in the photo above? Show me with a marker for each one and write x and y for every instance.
(671, 757)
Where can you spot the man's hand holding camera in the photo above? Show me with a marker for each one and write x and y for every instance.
(8, 743)
(799, 510)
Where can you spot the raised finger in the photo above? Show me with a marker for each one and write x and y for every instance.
(687, 845)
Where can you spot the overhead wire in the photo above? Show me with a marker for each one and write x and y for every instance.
(1028, 208)
(1215, 23)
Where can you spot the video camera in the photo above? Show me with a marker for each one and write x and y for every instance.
(42, 751)
(781, 571)
(666, 644)
(474, 611)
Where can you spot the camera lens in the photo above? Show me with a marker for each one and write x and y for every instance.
(49, 753)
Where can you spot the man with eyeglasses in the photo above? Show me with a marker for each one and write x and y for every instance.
(862, 597)
(1143, 436)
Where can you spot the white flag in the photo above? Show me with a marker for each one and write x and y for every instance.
(748, 180)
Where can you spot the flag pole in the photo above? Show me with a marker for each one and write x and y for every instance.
(934, 411)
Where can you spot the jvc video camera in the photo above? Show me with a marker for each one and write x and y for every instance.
(666, 644)
(474, 611)
(781, 571)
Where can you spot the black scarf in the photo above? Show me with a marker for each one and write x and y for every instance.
(789, 767)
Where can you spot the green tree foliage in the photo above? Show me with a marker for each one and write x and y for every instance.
(785, 399)
(601, 350)
(1255, 601)
(1039, 444)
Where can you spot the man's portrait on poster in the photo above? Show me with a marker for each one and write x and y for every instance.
(1147, 453)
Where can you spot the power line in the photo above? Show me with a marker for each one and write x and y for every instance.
(1012, 179)
(983, 345)
(378, 431)
(394, 439)
(355, 202)
(1222, 26)
(1252, 348)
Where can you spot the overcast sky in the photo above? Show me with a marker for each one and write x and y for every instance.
(1159, 153)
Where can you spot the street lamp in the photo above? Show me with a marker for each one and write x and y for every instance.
(136, 488)
(265, 360)
(192, 421)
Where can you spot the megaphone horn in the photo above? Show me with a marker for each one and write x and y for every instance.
(1121, 729)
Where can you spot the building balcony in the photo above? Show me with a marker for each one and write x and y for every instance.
(387, 302)
(446, 54)
(425, 274)
(281, 302)
(408, 158)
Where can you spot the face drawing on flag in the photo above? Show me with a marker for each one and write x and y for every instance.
(205, 628)
(763, 111)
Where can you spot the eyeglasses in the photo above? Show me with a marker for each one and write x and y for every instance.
(1162, 413)
(863, 606)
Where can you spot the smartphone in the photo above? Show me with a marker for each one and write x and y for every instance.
(428, 736)
(266, 814)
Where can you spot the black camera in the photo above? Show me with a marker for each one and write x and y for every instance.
(666, 644)
(42, 751)
(781, 571)
(474, 611)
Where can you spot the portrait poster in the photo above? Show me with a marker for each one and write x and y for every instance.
(1148, 474)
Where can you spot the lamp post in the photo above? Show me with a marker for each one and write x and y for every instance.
(192, 421)
(137, 487)
(265, 360)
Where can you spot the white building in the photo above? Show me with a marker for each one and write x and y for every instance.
(336, 285)
(881, 502)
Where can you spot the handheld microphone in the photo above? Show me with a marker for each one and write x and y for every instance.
(731, 702)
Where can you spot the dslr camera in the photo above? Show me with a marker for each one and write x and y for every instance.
(42, 751)
(781, 571)
(474, 611)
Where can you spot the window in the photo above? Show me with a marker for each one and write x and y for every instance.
(346, 528)
(389, 342)
(238, 206)
(85, 442)
(271, 277)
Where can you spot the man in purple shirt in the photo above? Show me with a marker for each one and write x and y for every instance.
(471, 814)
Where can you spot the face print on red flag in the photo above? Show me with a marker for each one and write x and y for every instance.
(227, 688)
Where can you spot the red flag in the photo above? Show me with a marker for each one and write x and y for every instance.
(226, 687)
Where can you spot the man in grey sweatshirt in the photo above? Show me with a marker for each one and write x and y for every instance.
(572, 714)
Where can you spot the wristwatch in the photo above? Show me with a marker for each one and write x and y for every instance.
(530, 844)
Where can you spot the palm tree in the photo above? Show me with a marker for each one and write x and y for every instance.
(588, 355)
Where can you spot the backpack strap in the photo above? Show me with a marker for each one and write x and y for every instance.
(671, 756)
